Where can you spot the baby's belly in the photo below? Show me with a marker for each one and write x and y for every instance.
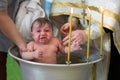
(50, 58)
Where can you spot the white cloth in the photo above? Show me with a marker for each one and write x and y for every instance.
(111, 21)
(111, 13)
(29, 10)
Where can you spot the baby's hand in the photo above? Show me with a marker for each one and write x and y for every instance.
(38, 54)
(75, 46)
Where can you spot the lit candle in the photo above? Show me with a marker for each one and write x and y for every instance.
(88, 44)
(70, 34)
(101, 38)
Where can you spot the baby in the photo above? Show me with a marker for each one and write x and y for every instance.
(45, 46)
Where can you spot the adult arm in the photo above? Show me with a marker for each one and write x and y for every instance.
(8, 27)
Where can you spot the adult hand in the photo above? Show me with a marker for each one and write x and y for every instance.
(22, 47)
(65, 28)
(79, 36)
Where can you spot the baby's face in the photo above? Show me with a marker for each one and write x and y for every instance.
(42, 34)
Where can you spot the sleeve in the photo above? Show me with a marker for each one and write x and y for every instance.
(3, 4)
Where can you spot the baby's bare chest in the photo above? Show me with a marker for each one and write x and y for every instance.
(47, 49)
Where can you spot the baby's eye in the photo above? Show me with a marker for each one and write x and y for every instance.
(47, 30)
(38, 31)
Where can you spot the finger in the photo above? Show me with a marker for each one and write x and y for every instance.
(23, 47)
(64, 31)
(66, 27)
(40, 54)
(65, 43)
(65, 39)
(80, 48)
(30, 48)
(73, 39)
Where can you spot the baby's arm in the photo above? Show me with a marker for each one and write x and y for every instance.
(37, 54)
(60, 46)
(28, 55)
(32, 53)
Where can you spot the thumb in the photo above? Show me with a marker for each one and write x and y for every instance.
(23, 47)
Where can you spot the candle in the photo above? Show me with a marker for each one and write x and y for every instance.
(101, 38)
(70, 33)
(88, 44)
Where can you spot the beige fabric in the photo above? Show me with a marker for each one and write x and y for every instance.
(28, 12)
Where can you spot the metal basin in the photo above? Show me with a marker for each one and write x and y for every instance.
(78, 70)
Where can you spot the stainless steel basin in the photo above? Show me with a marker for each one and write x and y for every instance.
(81, 70)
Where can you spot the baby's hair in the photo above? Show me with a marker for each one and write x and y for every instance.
(42, 21)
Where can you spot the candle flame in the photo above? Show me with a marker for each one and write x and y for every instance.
(101, 9)
(71, 10)
(88, 10)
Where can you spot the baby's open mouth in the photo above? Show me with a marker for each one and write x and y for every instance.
(43, 38)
